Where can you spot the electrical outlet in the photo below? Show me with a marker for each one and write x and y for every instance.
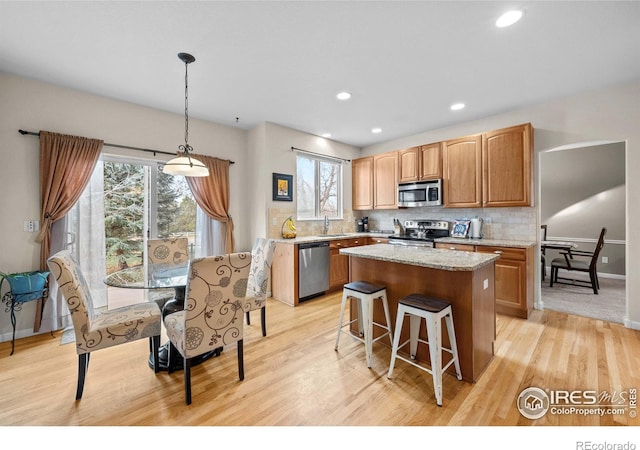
(605, 260)
(31, 226)
(274, 221)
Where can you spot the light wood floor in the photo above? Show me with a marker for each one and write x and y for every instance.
(294, 377)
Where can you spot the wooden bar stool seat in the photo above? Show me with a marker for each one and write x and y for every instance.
(365, 293)
(432, 310)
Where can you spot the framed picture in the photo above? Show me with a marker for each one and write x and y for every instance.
(460, 228)
(282, 187)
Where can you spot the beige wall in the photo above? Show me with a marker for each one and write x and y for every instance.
(610, 114)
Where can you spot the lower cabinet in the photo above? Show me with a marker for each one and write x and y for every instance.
(514, 277)
(339, 264)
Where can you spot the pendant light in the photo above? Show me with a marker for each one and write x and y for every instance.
(184, 164)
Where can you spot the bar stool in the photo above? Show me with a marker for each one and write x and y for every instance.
(365, 293)
(418, 307)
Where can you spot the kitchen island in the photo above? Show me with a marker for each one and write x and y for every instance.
(465, 279)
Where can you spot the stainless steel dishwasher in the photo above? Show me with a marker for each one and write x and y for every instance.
(313, 269)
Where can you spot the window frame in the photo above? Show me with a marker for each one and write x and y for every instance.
(339, 187)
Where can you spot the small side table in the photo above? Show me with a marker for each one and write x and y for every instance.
(23, 287)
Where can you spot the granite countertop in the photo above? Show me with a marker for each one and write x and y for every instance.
(488, 242)
(329, 237)
(448, 240)
(443, 259)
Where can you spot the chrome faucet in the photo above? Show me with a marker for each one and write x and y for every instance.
(325, 229)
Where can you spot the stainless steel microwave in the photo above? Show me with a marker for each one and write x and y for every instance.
(420, 193)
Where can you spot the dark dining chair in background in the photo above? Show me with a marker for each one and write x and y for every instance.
(543, 261)
(588, 264)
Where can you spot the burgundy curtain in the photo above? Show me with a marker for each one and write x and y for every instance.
(212, 194)
(66, 165)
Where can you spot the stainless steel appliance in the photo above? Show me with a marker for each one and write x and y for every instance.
(421, 233)
(420, 193)
(313, 269)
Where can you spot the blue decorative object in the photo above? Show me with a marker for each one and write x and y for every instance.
(23, 287)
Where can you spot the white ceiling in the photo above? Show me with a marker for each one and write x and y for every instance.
(283, 62)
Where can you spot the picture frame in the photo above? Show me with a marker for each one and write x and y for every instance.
(460, 228)
(282, 187)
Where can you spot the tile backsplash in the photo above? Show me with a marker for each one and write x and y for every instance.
(277, 217)
(499, 223)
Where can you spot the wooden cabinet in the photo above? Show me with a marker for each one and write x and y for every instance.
(462, 172)
(514, 280)
(339, 264)
(506, 156)
(420, 163)
(431, 161)
(385, 181)
(489, 169)
(377, 240)
(362, 183)
(514, 276)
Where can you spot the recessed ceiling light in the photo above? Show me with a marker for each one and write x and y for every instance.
(376, 130)
(508, 18)
(326, 135)
(457, 106)
(343, 96)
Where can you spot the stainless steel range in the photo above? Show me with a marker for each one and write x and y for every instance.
(421, 233)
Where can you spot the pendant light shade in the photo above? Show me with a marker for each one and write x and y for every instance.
(184, 164)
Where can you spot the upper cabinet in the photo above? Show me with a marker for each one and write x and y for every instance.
(362, 183)
(462, 170)
(385, 181)
(506, 156)
(482, 170)
(489, 169)
(420, 163)
(375, 182)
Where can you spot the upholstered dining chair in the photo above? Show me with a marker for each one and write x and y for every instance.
(98, 328)
(165, 253)
(586, 262)
(258, 283)
(215, 302)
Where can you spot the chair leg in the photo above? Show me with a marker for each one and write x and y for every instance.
(594, 282)
(248, 318)
(156, 346)
(263, 319)
(241, 359)
(83, 366)
(187, 380)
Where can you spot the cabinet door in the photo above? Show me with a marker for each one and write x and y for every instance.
(462, 172)
(385, 184)
(511, 280)
(362, 183)
(430, 161)
(409, 165)
(338, 264)
(506, 160)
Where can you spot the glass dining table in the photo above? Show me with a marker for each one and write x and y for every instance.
(160, 277)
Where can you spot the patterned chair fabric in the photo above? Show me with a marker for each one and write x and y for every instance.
(258, 283)
(165, 253)
(98, 328)
(215, 300)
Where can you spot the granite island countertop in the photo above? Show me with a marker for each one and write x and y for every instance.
(434, 258)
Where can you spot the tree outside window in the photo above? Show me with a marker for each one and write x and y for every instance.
(319, 188)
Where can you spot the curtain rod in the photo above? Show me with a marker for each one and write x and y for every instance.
(295, 149)
(149, 150)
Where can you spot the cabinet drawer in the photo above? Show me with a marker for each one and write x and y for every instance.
(518, 254)
(377, 240)
(461, 247)
(339, 243)
(356, 242)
